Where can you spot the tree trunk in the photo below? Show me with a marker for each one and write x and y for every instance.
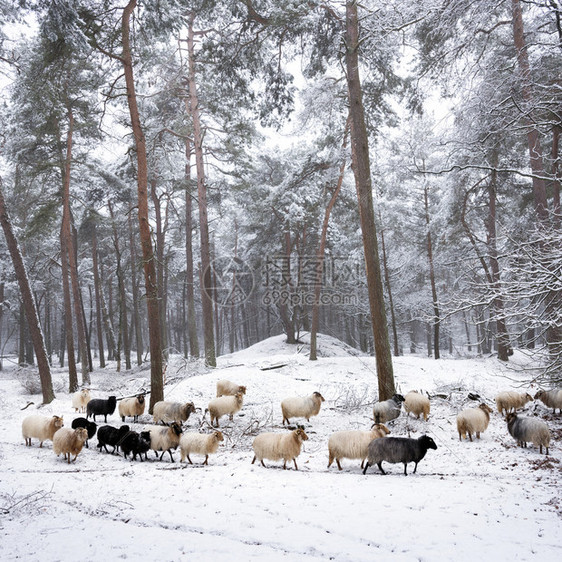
(362, 173)
(501, 330)
(206, 273)
(321, 251)
(156, 378)
(135, 288)
(123, 322)
(28, 303)
(436, 313)
(389, 291)
(66, 234)
(533, 140)
(97, 293)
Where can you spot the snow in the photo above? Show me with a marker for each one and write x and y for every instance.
(467, 501)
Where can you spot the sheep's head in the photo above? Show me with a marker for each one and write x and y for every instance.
(57, 420)
(145, 436)
(85, 393)
(81, 434)
(188, 409)
(510, 418)
(428, 442)
(528, 397)
(381, 428)
(140, 398)
(300, 435)
(485, 408)
(112, 401)
(539, 394)
(218, 436)
(242, 389)
(176, 428)
(398, 398)
(239, 397)
(318, 395)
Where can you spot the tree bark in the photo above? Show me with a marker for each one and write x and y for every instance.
(28, 303)
(206, 273)
(156, 375)
(362, 173)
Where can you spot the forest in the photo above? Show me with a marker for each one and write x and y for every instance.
(192, 177)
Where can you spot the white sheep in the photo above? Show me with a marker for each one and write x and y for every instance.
(525, 429)
(277, 446)
(353, 444)
(133, 407)
(473, 420)
(551, 398)
(40, 427)
(510, 401)
(80, 400)
(200, 443)
(301, 407)
(229, 388)
(224, 405)
(69, 441)
(164, 438)
(417, 404)
(168, 412)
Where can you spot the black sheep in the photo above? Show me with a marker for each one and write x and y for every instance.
(108, 435)
(137, 444)
(101, 407)
(83, 422)
(398, 449)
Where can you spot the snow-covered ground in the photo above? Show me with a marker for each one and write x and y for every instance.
(468, 501)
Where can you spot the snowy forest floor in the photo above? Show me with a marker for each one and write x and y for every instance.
(488, 498)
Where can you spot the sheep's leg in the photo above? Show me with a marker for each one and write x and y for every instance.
(189, 459)
(380, 467)
(284, 465)
(366, 467)
(470, 436)
(296, 467)
(338, 463)
(415, 467)
(405, 465)
(254, 460)
(206, 460)
(263, 464)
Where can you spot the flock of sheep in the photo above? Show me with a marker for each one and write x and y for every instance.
(371, 447)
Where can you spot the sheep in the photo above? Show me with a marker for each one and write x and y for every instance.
(473, 420)
(168, 412)
(398, 449)
(40, 427)
(228, 388)
(133, 407)
(511, 401)
(80, 400)
(417, 404)
(353, 444)
(225, 405)
(101, 407)
(164, 438)
(388, 410)
(69, 441)
(277, 446)
(136, 443)
(551, 398)
(200, 443)
(88, 425)
(108, 435)
(525, 429)
(299, 407)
